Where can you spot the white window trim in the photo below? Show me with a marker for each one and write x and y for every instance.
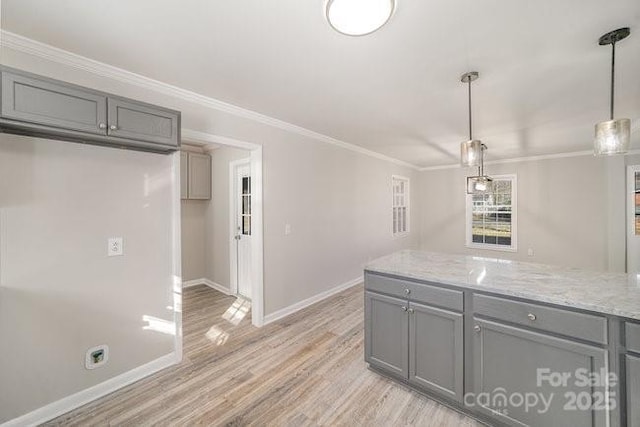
(407, 204)
(514, 219)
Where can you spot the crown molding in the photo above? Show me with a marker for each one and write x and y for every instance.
(35, 48)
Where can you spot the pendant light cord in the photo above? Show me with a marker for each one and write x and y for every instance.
(613, 65)
(470, 133)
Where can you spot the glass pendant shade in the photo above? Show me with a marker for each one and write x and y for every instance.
(612, 137)
(359, 17)
(479, 184)
(471, 153)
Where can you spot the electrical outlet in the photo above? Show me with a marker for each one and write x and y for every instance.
(96, 356)
(530, 252)
(287, 229)
(115, 246)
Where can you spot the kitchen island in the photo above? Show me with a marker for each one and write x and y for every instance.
(507, 342)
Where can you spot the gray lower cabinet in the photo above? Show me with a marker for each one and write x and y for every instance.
(37, 101)
(436, 354)
(386, 333)
(508, 363)
(134, 120)
(633, 390)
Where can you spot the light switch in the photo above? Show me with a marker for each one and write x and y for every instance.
(115, 246)
(287, 229)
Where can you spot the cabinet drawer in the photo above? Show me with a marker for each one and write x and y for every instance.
(632, 336)
(419, 292)
(578, 325)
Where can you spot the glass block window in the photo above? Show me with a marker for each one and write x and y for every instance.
(400, 205)
(491, 216)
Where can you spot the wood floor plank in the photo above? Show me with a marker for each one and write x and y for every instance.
(307, 369)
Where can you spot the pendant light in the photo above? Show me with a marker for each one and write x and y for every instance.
(472, 151)
(612, 136)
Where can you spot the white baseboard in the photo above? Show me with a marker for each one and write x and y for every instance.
(90, 394)
(276, 315)
(209, 283)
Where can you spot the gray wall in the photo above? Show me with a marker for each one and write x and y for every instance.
(562, 211)
(59, 292)
(194, 239)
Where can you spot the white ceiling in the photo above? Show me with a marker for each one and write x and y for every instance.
(543, 78)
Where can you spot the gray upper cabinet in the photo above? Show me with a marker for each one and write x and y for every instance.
(436, 356)
(42, 107)
(195, 176)
(506, 360)
(42, 102)
(387, 333)
(199, 176)
(134, 120)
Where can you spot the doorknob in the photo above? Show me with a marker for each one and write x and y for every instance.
(237, 236)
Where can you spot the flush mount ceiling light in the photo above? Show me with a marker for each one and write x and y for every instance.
(472, 151)
(359, 17)
(612, 136)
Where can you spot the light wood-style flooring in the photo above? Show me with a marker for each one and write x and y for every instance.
(305, 370)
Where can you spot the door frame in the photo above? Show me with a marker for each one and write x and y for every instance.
(257, 227)
(233, 253)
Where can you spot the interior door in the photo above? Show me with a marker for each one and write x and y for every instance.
(242, 196)
(633, 233)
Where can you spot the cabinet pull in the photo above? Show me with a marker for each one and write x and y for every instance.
(407, 291)
(404, 308)
(476, 328)
(113, 127)
(411, 310)
(531, 316)
(102, 126)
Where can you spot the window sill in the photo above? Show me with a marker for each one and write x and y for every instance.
(492, 247)
(400, 235)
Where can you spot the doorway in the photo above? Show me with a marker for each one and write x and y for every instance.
(240, 226)
(633, 220)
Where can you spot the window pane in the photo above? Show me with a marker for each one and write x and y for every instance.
(246, 225)
(246, 185)
(246, 204)
(491, 215)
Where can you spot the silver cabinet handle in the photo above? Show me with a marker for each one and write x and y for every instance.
(113, 127)
(102, 126)
(404, 308)
(411, 310)
(531, 316)
(477, 328)
(407, 291)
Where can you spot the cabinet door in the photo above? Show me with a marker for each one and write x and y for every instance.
(184, 175)
(436, 354)
(387, 333)
(199, 176)
(142, 122)
(633, 391)
(507, 361)
(28, 99)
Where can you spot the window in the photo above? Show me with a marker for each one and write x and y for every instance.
(400, 205)
(491, 217)
(246, 205)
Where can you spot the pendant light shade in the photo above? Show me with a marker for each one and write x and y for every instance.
(612, 136)
(471, 153)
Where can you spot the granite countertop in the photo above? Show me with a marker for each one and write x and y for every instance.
(609, 293)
